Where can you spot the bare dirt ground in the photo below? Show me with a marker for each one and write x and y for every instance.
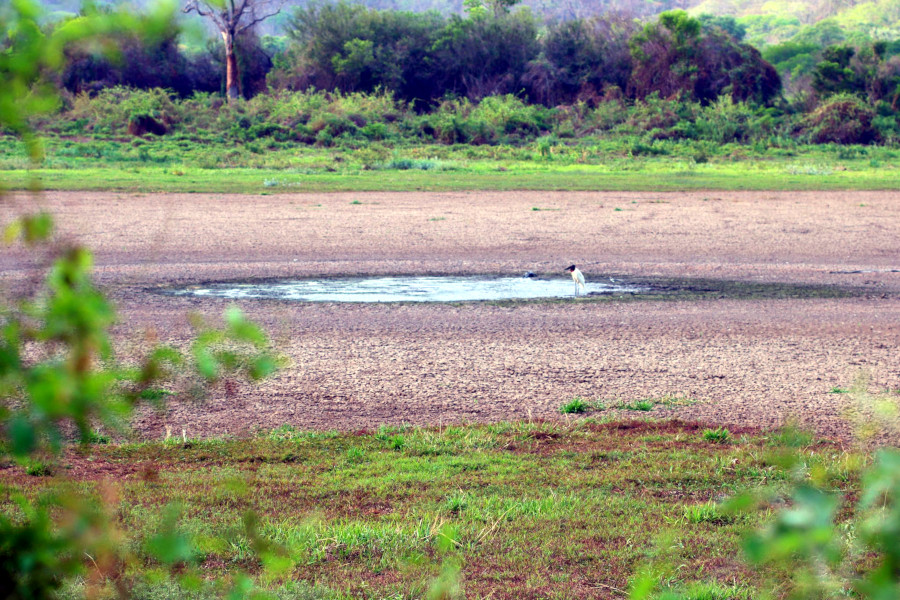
(740, 361)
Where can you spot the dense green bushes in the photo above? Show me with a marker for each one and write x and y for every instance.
(676, 55)
(435, 70)
(357, 119)
(844, 119)
(423, 57)
(143, 62)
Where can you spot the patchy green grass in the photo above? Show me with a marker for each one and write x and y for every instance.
(184, 164)
(258, 181)
(536, 509)
(578, 405)
(640, 405)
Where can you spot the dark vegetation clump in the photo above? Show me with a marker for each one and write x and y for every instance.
(843, 119)
(143, 124)
(141, 62)
(677, 56)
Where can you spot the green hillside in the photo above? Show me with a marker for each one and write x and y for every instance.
(834, 21)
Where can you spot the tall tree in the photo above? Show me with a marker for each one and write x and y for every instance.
(676, 56)
(231, 18)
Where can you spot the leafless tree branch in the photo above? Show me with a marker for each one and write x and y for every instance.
(276, 8)
(231, 18)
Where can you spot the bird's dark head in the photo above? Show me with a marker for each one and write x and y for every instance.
(570, 268)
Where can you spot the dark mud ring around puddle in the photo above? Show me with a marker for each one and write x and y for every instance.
(653, 288)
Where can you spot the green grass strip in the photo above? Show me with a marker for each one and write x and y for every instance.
(269, 181)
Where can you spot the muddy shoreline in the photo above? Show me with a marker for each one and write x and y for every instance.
(790, 295)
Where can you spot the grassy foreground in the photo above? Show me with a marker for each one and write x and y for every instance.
(511, 510)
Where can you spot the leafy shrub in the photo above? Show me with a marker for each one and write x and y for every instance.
(653, 113)
(406, 164)
(843, 119)
(332, 124)
(95, 437)
(323, 138)
(607, 115)
(34, 560)
(304, 134)
(888, 128)
(278, 132)
(642, 149)
(676, 56)
(375, 131)
(510, 115)
(822, 554)
(112, 109)
(38, 468)
(357, 119)
(448, 129)
(725, 121)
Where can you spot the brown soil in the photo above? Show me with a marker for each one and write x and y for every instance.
(756, 361)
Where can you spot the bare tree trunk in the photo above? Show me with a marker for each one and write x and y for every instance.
(233, 17)
(232, 90)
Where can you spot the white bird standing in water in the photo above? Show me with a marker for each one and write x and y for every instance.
(578, 278)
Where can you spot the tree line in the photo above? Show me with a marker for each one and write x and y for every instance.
(496, 48)
(425, 57)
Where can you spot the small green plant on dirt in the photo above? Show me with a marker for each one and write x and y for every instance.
(720, 435)
(574, 406)
(640, 405)
(674, 400)
(283, 432)
(154, 394)
(96, 437)
(37, 467)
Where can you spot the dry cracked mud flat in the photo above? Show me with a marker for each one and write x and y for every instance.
(761, 356)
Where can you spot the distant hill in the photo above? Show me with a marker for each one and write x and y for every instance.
(553, 9)
(767, 21)
(817, 21)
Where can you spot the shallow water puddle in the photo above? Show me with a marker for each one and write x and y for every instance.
(407, 289)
